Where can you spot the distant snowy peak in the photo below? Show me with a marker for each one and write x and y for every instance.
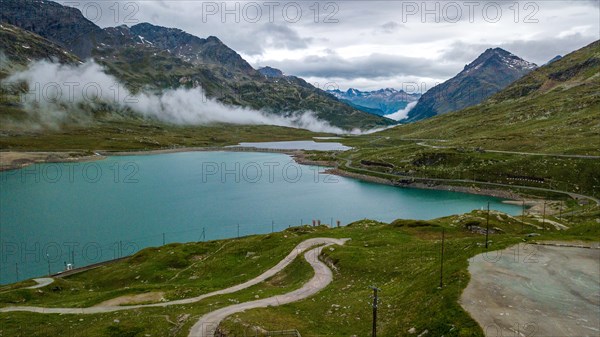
(387, 92)
(496, 57)
(353, 92)
(489, 73)
(380, 102)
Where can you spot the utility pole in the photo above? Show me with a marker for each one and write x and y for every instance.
(572, 215)
(375, 299)
(560, 212)
(272, 226)
(442, 261)
(523, 216)
(163, 239)
(48, 259)
(238, 231)
(17, 270)
(487, 225)
(203, 233)
(73, 258)
(544, 214)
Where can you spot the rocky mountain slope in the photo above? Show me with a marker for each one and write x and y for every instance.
(553, 109)
(161, 58)
(19, 47)
(491, 72)
(271, 72)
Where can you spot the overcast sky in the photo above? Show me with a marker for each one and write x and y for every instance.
(369, 44)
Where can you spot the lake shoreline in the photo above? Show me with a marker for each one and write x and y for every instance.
(533, 206)
(13, 160)
(511, 197)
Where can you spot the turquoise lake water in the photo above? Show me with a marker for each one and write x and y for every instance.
(298, 145)
(96, 211)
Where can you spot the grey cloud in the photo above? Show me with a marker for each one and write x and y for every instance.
(372, 66)
(178, 106)
(391, 27)
(255, 38)
(379, 24)
(537, 51)
(595, 3)
(281, 36)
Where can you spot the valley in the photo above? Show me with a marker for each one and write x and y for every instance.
(344, 174)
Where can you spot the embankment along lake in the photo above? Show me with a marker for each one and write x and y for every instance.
(57, 213)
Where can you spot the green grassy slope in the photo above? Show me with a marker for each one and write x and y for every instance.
(402, 258)
(114, 134)
(408, 160)
(554, 109)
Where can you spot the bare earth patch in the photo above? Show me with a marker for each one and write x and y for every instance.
(10, 160)
(151, 297)
(535, 290)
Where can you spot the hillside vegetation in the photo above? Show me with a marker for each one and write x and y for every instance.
(402, 258)
(543, 131)
(553, 109)
(155, 58)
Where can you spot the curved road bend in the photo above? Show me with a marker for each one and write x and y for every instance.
(578, 156)
(207, 324)
(299, 249)
(41, 282)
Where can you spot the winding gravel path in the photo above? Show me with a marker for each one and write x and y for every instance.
(299, 249)
(207, 325)
(41, 282)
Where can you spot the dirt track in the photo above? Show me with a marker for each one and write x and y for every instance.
(299, 249)
(535, 290)
(41, 282)
(207, 324)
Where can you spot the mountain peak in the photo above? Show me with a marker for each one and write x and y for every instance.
(62, 25)
(191, 48)
(491, 72)
(379, 102)
(494, 57)
(555, 58)
(497, 50)
(353, 92)
(161, 58)
(213, 39)
(271, 72)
